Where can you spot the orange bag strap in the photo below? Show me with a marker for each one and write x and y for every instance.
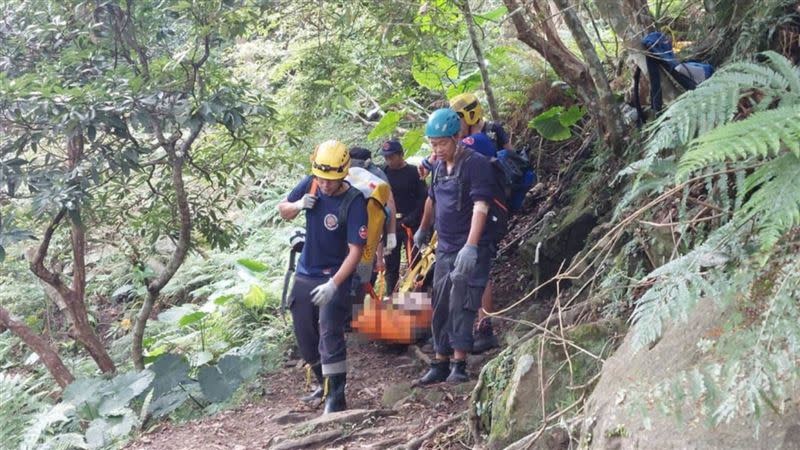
(314, 186)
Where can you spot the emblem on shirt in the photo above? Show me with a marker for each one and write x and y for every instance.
(331, 222)
(469, 140)
(362, 232)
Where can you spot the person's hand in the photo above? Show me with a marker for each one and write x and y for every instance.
(307, 202)
(323, 294)
(380, 265)
(391, 243)
(466, 259)
(422, 237)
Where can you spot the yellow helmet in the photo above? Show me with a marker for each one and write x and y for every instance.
(330, 160)
(468, 107)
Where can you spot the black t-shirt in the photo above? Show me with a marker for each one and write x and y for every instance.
(409, 193)
(496, 133)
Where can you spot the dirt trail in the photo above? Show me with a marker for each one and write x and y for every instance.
(379, 381)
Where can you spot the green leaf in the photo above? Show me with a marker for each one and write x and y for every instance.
(571, 116)
(413, 140)
(103, 431)
(223, 299)
(491, 16)
(386, 125)
(429, 69)
(215, 387)
(548, 125)
(175, 314)
(170, 370)
(191, 318)
(122, 389)
(167, 403)
(200, 358)
(252, 265)
(255, 297)
(84, 391)
(469, 83)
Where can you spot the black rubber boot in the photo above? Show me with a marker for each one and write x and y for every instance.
(335, 400)
(484, 338)
(436, 374)
(458, 372)
(316, 394)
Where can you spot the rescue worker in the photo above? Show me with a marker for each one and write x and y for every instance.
(469, 110)
(361, 157)
(409, 192)
(462, 186)
(320, 299)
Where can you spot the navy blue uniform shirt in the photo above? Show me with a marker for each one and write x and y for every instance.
(327, 240)
(477, 184)
(409, 193)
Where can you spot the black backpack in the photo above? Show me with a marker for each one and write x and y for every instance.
(497, 219)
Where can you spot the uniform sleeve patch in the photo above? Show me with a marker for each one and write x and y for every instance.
(362, 232)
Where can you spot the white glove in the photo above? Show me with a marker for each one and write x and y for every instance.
(391, 243)
(323, 294)
(307, 202)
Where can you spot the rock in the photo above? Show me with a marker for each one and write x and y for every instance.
(509, 400)
(619, 413)
(394, 393)
(462, 389)
(476, 362)
(433, 396)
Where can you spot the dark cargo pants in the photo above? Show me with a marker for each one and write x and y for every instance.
(320, 331)
(455, 306)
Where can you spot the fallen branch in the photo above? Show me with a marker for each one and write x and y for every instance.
(417, 443)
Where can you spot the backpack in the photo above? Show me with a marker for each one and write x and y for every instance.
(660, 55)
(344, 207)
(497, 219)
(519, 176)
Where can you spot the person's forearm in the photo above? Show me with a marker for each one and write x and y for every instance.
(427, 215)
(479, 213)
(349, 264)
(287, 210)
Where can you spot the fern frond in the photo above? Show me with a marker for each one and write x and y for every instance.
(715, 101)
(679, 284)
(762, 134)
(774, 199)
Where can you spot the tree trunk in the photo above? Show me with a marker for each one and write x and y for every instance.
(39, 345)
(476, 47)
(74, 297)
(568, 66)
(609, 116)
(154, 288)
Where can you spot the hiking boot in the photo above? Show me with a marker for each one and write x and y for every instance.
(483, 337)
(335, 400)
(316, 394)
(458, 372)
(436, 374)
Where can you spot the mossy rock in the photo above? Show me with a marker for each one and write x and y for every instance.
(510, 400)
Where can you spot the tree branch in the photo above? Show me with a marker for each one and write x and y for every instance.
(40, 346)
(476, 47)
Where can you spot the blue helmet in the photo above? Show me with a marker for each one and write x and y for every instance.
(443, 122)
